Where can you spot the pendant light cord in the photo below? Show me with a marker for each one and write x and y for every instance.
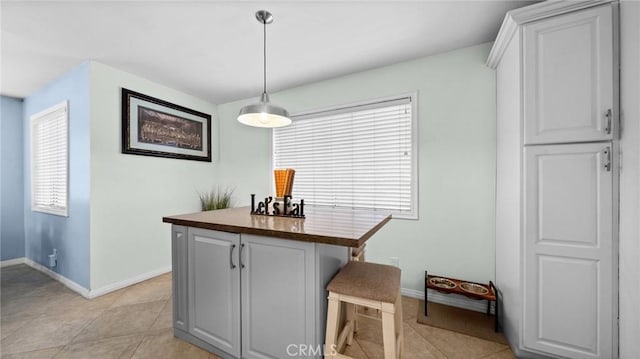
(264, 55)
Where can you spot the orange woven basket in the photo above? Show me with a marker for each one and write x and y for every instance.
(284, 181)
(280, 177)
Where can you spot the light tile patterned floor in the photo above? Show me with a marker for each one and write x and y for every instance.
(40, 318)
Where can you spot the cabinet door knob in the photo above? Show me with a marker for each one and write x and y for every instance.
(233, 246)
(607, 159)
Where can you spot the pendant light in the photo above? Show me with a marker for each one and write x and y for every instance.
(264, 113)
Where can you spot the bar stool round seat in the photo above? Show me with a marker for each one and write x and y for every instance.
(371, 285)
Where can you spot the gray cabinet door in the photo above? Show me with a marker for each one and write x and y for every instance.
(179, 276)
(278, 290)
(214, 288)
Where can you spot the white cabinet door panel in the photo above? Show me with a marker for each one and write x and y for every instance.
(214, 288)
(558, 220)
(568, 291)
(568, 77)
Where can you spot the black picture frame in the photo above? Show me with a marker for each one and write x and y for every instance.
(154, 127)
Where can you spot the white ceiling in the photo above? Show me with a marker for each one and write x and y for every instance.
(213, 50)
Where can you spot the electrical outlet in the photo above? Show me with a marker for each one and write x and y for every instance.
(53, 258)
(395, 261)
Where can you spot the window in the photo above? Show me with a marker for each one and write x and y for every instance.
(361, 156)
(49, 160)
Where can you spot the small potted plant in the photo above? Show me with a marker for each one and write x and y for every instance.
(217, 198)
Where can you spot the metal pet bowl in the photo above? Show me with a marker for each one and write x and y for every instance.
(442, 283)
(474, 288)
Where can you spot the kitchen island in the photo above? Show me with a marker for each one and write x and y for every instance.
(253, 286)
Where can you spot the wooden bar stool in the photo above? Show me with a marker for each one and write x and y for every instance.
(371, 285)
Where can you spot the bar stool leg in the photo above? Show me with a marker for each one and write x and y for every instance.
(333, 317)
(358, 258)
(399, 325)
(355, 317)
(389, 333)
(351, 317)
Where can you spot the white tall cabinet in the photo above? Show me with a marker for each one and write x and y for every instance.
(556, 185)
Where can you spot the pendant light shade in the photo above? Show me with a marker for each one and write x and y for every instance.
(264, 113)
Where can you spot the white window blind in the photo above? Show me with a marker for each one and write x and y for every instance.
(49, 160)
(360, 157)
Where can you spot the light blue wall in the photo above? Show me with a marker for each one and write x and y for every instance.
(11, 179)
(70, 235)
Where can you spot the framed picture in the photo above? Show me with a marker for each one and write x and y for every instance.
(153, 127)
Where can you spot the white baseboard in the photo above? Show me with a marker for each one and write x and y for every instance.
(12, 262)
(59, 277)
(89, 294)
(127, 282)
(454, 300)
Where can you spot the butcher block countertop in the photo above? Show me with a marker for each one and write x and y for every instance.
(343, 227)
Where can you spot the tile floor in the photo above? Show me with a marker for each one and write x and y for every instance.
(40, 318)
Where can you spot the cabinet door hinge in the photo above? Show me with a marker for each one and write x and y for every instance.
(619, 161)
